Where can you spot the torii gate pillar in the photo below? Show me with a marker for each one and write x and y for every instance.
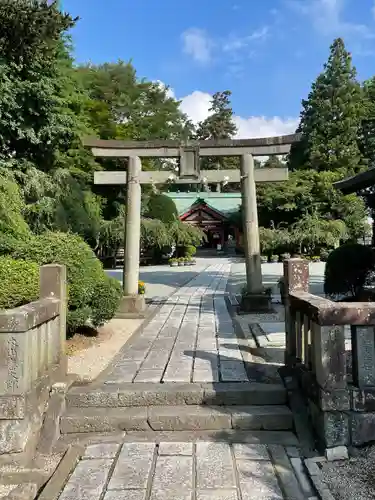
(255, 298)
(131, 302)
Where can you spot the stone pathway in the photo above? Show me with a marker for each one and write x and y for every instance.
(190, 340)
(184, 471)
(168, 376)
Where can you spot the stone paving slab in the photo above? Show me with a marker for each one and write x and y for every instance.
(199, 470)
(191, 339)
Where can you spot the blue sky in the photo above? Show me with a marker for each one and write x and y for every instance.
(267, 52)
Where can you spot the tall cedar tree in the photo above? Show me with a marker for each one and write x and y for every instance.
(218, 125)
(331, 118)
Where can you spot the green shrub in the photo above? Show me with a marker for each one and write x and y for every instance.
(162, 207)
(19, 282)
(84, 271)
(324, 253)
(8, 244)
(190, 250)
(107, 296)
(285, 256)
(348, 269)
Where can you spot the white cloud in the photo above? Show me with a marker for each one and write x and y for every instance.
(197, 107)
(235, 43)
(327, 17)
(202, 47)
(197, 104)
(262, 126)
(197, 44)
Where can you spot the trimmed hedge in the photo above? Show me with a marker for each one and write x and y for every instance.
(106, 299)
(8, 244)
(19, 282)
(348, 269)
(162, 207)
(88, 289)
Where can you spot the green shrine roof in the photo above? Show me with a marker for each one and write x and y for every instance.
(225, 203)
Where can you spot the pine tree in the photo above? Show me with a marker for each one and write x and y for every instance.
(219, 124)
(331, 118)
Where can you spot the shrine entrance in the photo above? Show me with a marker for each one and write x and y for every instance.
(189, 172)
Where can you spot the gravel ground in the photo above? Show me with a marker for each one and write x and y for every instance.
(353, 479)
(5, 490)
(88, 363)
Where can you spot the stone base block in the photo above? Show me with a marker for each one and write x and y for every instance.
(132, 306)
(255, 303)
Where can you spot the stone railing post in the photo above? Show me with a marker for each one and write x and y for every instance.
(53, 285)
(296, 279)
(32, 344)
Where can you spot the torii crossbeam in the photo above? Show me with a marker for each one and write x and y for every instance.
(189, 172)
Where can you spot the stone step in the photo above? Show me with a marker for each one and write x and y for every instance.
(176, 418)
(149, 394)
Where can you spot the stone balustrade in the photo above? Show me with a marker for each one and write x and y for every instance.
(32, 359)
(331, 348)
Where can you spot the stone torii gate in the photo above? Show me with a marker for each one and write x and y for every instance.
(189, 154)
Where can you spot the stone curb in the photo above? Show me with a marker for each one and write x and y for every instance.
(300, 415)
(149, 394)
(313, 468)
(55, 485)
(177, 418)
(26, 491)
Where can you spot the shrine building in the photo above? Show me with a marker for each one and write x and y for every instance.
(212, 212)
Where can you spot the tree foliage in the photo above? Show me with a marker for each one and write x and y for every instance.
(162, 207)
(331, 118)
(348, 270)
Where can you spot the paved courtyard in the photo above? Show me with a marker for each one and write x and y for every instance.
(184, 471)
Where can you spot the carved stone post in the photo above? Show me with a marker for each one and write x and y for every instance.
(296, 278)
(363, 356)
(53, 283)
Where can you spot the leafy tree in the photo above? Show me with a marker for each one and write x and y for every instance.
(367, 132)
(184, 234)
(154, 235)
(312, 232)
(12, 206)
(331, 118)
(273, 162)
(348, 270)
(34, 121)
(219, 124)
(162, 207)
